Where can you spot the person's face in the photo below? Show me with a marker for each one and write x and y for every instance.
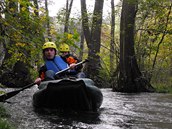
(63, 54)
(49, 53)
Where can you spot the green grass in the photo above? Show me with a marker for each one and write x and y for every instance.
(163, 87)
(3, 112)
(162, 82)
(4, 123)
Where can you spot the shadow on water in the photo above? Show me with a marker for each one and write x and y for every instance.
(66, 119)
(67, 116)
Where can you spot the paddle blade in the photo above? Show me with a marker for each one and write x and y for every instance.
(13, 93)
(8, 95)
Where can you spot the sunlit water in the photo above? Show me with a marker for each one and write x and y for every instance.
(118, 111)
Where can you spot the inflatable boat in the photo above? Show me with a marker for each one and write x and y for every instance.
(74, 94)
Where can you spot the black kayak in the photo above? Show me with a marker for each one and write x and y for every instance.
(75, 94)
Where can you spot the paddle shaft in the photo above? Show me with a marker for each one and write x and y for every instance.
(64, 70)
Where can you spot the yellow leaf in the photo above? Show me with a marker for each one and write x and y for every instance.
(23, 8)
(2, 92)
(69, 36)
(20, 44)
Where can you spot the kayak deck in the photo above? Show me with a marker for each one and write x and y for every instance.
(68, 94)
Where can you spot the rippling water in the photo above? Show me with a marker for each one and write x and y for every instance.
(118, 111)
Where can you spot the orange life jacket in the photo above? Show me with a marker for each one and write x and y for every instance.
(42, 76)
(71, 60)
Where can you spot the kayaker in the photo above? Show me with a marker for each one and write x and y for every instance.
(71, 60)
(53, 63)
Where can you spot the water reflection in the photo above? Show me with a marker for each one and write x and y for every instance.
(118, 111)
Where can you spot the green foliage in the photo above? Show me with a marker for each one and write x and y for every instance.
(23, 36)
(162, 79)
(152, 37)
(161, 88)
(3, 112)
(2, 92)
(105, 52)
(68, 38)
(72, 37)
(4, 124)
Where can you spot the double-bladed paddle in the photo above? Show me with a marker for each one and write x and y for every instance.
(8, 95)
(13, 93)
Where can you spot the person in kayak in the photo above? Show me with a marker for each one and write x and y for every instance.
(71, 60)
(53, 64)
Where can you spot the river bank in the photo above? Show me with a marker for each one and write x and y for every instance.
(4, 116)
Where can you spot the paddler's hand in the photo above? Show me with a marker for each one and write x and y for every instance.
(38, 81)
(72, 66)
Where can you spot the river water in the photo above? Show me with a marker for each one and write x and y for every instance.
(118, 111)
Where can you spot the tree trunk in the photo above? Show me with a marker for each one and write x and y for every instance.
(130, 78)
(93, 39)
(68, 11)
(85, 23)
(48, 21)
(81, 45)
(112, 42)
(2, 44)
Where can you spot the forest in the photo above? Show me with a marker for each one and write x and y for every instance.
(130, 50)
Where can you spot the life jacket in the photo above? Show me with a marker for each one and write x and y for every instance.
(57, 64)
(71, 60)
(42, 75)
